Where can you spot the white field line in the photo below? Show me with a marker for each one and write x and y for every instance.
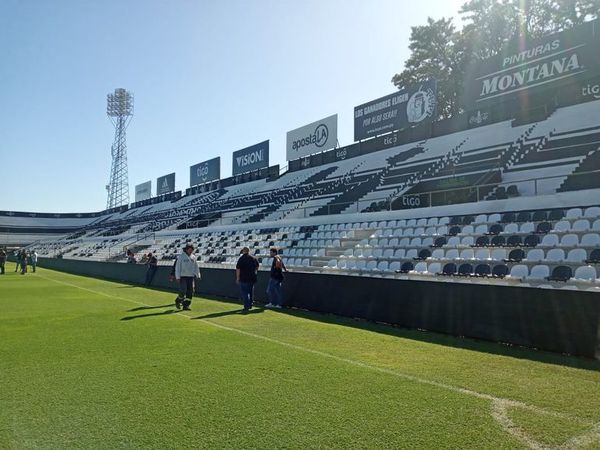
(499, 406)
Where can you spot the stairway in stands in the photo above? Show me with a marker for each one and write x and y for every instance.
(575, 181)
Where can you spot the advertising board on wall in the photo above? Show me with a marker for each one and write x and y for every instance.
(205, 171)
(143, 191)
(312, 138)
(250, 158)
(415, 105)
(526, 67)
(165, 184)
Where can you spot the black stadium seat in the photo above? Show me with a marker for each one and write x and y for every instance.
(500, 271)
(449, 269)
(543, 228)
(453, 231)
(482, 241)
(468, 220)
(514, 240)
(561, 273)
(516, 255)
(512, 191)
(406, 267)
(423, 254)
(540, 216)
(594, 257)
(524, 216)
(439, 242)
(498, 241)
(455, 220)
(531, 241)
(465, 269)
(495, 229)
(508, 218)
(483, 270)
(556, 214)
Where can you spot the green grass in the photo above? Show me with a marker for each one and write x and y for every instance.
(86, 363)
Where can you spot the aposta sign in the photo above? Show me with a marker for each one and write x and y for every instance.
(312, 138)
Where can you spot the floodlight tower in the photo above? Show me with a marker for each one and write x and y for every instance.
(119, 108)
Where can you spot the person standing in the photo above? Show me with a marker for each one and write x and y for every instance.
(245, 275)
(33, 257)
(152, 265)
(2, 260)
(23, 261)
(17, 260)
(186, 271)
(274, 291)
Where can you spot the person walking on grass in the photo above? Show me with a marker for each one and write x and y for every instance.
(23, 262)
(186, 271)
(17, 260)
(245, 275)
(274, 291)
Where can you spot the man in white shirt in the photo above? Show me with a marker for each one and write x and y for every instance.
(186, 270)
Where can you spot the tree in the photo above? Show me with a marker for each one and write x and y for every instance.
(439, 51)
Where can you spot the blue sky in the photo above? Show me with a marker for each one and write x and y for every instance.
(209, 78)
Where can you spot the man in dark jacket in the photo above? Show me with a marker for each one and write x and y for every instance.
(2, 260)
(274, 291)
(245, 275)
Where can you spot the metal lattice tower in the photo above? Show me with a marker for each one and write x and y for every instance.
(119, 108)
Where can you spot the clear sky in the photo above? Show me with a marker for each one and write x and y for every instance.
(209, 78)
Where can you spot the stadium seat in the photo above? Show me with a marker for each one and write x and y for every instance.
(561, 273)
(513, 241)
(508, 217)
(383, 266)
(440, 242)
(467, 241)
(550, 240)
(499, 254)
(500, 271)
(482, 241)
(555, 255)
(531, 241)
(524, 216)
(465, 269)
(482, 254)
(581, 225)
(451, 254)
(594, 257)
(406, 267)
(510, 228)
(592, 212)
(539, 272)
(423, 254)
(394, 266)
(411, 253)
(496, 229)
(519, 271)
(527, 227)
(449, 269)
(400, 253)
(585, 273)
(420, 268)
(569, 240)
(559, 227)
(498, 241)
(556, 214)
(535, 255)
(539, 216)
(467, 254)
(577, 255)
(574, 213)
(483, 270)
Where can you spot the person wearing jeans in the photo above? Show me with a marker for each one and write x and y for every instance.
(245, 275)
(274, 291)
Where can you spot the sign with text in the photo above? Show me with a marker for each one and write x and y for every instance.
(312, 138)
(205, 171)
(415, 105)
(529, 66)
(143, 191)
(250, 158)
(165, 184)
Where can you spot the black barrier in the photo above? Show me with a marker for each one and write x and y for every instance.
(556, 320)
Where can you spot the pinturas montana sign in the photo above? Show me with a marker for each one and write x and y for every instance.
(530, 66)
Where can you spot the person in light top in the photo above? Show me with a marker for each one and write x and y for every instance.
(186, 271)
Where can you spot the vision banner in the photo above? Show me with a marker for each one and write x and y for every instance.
(250, 158)
(312, 138)
(415, 105)
(528, 67)
(165, 184)
(143, 191)
(205, 171)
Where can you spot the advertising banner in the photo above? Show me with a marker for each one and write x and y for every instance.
(165, 184)
(312, 138)
(250, 158)
(529, 66)
(143, 191)
(415, 105)
(205, 171)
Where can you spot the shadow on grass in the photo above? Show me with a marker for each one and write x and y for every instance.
(430, 337)
(142, 308)
(231, 313)
(163, 313)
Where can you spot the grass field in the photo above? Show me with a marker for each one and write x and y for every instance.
(86, 363)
